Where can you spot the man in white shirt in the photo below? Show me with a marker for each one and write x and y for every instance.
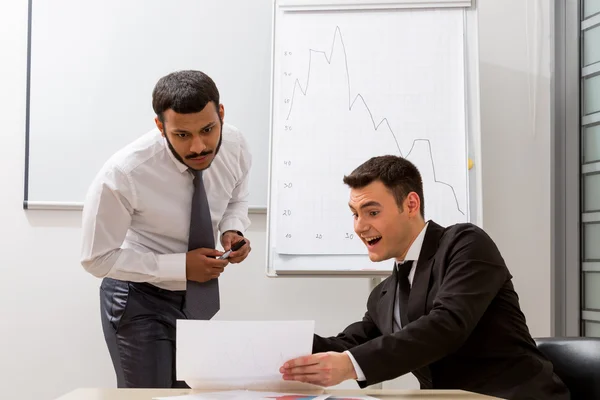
(151, 219)
(449, 313)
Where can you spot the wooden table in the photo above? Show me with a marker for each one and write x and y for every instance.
(148, 394)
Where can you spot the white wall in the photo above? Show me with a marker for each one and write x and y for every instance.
(515, 39)
(51, 335)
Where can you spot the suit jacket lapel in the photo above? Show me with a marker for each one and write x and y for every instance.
(417, 301)
(385, 306)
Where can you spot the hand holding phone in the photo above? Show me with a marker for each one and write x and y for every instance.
(235, 247)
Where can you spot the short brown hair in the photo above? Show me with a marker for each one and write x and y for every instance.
(397, 174)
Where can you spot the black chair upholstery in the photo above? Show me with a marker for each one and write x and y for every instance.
(577, 362)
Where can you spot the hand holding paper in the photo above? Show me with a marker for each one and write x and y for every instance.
(240, 354)
(323, 369)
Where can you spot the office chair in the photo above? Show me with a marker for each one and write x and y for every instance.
(577, 362)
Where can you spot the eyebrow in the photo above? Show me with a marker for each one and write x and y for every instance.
(371, 203)
(209, 125)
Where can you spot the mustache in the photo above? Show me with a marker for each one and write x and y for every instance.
(198, 155)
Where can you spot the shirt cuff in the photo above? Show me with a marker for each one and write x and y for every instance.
(171, 267)
(231, 224)
(359, 374)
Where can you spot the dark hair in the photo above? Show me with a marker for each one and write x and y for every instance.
(399, 176)
(184, 92)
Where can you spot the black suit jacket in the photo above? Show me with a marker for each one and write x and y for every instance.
(465, 331)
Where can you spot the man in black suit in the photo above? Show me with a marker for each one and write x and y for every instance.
(449, 313)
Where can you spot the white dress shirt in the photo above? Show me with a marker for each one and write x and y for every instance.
(136, 215)
(411, 255)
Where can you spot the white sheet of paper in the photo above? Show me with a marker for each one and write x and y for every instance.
(246, 395)
(255, 395)
(225, 355)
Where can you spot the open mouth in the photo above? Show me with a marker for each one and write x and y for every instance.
(371, 241)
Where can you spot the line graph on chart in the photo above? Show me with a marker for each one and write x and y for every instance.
(347, 93)
(351, 103)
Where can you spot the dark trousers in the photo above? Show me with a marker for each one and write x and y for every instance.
(138, 320)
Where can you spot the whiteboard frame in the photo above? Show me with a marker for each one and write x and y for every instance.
(78, 206)
(319, 5)
(472, 119)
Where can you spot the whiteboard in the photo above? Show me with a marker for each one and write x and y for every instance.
(92, 67)
(352, 81)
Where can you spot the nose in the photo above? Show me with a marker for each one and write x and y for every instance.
(360, 226)
(198, 145)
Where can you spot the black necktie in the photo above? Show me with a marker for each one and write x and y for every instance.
(402, 271)
(202, 298)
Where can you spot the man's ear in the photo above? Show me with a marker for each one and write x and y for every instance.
(413, 204)
(221, 112)
(159, 125)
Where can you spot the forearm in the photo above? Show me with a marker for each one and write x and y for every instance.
(354, 335)
(106, 219)
(323, 345)
(131, 265)
(235, 217)
(419, 344)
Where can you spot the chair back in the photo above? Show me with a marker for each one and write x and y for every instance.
(576, 361)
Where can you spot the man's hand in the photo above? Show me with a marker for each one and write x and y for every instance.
(200, 266)
(230, 238)
(324, 369)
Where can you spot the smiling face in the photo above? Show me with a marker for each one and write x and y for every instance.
(386, 228)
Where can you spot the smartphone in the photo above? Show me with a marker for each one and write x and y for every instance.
(235, 247)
